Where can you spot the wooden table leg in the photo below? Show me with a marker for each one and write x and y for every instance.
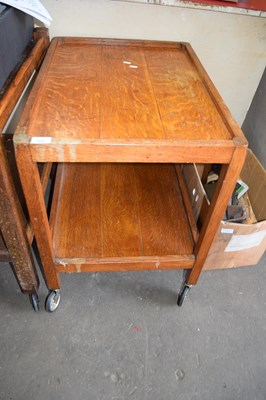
(224, 189)
(32, 188)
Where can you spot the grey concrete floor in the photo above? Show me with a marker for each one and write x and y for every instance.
(120, 336)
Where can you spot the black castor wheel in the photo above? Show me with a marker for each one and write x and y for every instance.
(183, 294)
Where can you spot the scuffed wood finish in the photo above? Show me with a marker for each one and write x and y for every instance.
(12, 226)
(120, 210)
(124, 263)
(185, 106)
(33, 191)
(137, 101)
(64, 150)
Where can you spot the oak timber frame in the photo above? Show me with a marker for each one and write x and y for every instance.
(229, 153)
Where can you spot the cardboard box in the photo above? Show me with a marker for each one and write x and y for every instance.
(235, 244)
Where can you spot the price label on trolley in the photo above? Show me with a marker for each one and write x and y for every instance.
(41, 140)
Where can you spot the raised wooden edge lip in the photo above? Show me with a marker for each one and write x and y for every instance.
(106, 260)
(121, 41)
(22, 138)
(231, 125)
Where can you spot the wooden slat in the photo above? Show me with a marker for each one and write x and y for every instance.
(164, 226)
(119, 208)
(128, 105)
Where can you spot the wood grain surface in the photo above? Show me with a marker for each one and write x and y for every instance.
(104, 90)
(120, 210)
(112, 264)
(33, 191)
(185, 106)
(124, 101)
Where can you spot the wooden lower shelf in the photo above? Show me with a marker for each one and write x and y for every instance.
(119, 216)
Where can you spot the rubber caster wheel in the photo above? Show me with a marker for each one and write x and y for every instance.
(52, 301)
(183, 295)
(34, 301)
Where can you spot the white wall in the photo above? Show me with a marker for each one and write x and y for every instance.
(231, 47)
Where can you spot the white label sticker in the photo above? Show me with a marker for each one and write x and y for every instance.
(227, 230)
(243, 242)
(41, 140)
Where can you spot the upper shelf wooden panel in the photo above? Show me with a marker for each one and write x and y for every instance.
(122, 89)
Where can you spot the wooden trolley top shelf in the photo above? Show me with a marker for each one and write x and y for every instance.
(108, 214)
(125, 100)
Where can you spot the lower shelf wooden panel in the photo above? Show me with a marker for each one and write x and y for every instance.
(119, 217)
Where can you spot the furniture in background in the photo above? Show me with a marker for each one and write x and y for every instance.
(15, 234)
(121, 117)
(16, 34)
